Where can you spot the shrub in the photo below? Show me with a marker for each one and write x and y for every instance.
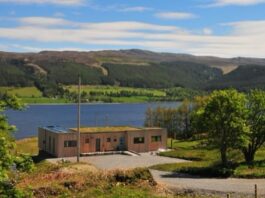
(8, 190)
(24, 163)
(132, 176)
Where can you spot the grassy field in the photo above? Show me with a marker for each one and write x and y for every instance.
(116, 89)
(27, 146)
(31, 95)
(206, 161)
(116, 94)
(22, 92)
(105, 94)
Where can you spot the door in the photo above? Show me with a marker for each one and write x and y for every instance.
(97, 144)
(122, 144)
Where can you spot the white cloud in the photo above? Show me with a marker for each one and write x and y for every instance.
(58, 2)
(43, 21)
(243, 40)
(58, 14)
(135, 9)
(38, 49)
(175, 15)
(207, 31)
(111, 26)
(218, 3)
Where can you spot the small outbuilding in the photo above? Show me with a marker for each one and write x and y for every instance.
(61, 142)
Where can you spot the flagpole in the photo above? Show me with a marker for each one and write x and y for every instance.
(78, 118)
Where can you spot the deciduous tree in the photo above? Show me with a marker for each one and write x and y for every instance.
(256, 122)
(223, 117)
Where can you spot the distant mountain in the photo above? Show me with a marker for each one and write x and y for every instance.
(137, 68)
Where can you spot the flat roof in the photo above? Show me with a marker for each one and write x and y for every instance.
(109, 129)
(56, 129)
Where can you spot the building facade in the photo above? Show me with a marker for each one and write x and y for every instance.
(63, 143)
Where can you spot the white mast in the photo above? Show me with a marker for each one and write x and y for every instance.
(78, 118)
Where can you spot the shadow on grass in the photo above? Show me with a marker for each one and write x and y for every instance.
(213, 171)
(41, 157)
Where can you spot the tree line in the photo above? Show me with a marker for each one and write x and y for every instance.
(228, 119)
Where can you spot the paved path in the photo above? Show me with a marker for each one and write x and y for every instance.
(109, 162)
(178, 181)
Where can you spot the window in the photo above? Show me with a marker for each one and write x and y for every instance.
(138, 140)
(50, 142)
(108, 139)
(115, 140)
(156, 138)
(87, 141)
(70, 143)
(53, 145)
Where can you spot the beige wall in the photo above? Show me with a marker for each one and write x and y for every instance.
(148, 145)
(48, 141)
(104, 145)
(55, 141)
(154, 146)
(66, 151)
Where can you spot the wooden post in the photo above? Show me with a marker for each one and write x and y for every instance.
(228, 195)
(256, 191)
(78, 119)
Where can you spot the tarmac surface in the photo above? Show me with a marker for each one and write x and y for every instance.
(119, 161)
(230, 185)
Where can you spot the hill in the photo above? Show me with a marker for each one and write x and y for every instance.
(133, 68)
(243, 78)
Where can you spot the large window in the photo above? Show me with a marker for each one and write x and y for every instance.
(156, 138)
(138, 140)
(70, 143)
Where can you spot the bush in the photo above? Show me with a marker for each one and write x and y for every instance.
(8, 190)
(133, 176)
(24, 163)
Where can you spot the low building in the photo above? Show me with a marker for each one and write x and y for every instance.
(60, 142)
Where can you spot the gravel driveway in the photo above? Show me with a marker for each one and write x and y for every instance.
(108, 162)
(177, 181)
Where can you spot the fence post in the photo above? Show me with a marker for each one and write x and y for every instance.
(228, 195)
(256, 191)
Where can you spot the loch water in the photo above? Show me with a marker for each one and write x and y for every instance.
(34, 116)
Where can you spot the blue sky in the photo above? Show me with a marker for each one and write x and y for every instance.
(227, 28)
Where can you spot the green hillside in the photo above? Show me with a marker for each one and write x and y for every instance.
(243, 78)
(173, 74)
(155, 75)
(50, 71)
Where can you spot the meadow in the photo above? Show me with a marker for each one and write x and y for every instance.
(205, 161)
(31, 95)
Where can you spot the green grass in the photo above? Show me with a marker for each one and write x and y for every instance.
(23, 92)
(27, 146)
(107, 94)
(205, 161)
(31, 95)
(100, 93)
(116, 89)
(44, 100)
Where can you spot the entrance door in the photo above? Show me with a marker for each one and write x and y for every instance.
(97, 144)
(122, 144)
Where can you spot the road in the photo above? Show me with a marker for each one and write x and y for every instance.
(230, 185)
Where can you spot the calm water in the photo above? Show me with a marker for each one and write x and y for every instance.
(28, 120)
